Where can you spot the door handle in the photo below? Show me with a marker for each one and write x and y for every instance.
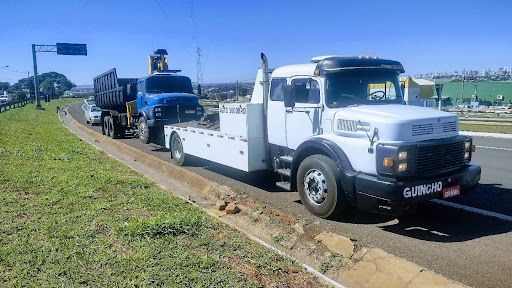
(289, 111)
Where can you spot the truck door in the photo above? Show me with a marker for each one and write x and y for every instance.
(303, 120)
(140, 95)
(276, 112)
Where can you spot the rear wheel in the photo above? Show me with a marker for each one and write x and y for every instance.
(105, 128)
(319, 186)
(177, 154)
(143, 131)
(113, 128)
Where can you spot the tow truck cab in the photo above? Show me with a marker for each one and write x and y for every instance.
(349, 111)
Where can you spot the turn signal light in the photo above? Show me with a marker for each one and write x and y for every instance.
(388, 162)
(473, 148)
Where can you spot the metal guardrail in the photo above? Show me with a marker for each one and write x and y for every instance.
(11, 105)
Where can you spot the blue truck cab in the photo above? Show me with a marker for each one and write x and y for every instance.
(165, 98)
(145, 104)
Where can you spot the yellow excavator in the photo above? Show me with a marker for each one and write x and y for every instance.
(158, 62)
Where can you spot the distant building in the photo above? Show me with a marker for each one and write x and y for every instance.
(418, 92)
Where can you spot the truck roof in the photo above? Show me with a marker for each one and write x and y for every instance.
(323, 65)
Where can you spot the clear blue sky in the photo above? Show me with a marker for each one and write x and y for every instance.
(426, 36)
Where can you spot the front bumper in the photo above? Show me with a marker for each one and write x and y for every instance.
(389, 196)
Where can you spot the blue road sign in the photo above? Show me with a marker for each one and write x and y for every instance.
(71, 49)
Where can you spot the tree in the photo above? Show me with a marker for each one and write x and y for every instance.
(48, 82)
(4, 85)
(20, 96)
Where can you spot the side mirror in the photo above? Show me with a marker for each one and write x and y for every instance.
(289, 99)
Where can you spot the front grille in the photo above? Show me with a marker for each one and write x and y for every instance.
(438, 157)
(433, 128)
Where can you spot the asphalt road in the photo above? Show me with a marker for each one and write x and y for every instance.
(469, 247)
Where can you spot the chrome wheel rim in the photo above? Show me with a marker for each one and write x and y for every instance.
(177, 148)
(142, 130)
(315, 186)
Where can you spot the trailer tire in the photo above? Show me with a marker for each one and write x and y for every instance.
(177, 154)
(143, 130)
(105, 128)
(113, 128)
(319, 185)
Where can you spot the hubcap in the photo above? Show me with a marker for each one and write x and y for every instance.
(315, 186)
(142, 130)
(177, 148)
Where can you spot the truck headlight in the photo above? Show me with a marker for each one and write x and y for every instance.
(395, 160)
(468, 148)
(402, 155)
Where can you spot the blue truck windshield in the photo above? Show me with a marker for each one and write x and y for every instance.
(363, 86)
(168, 84)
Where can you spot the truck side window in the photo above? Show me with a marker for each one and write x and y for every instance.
(277, 89)
(139, 87)
(306, 91)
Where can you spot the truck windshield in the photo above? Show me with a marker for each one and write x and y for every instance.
(363, 86)
(168, 84)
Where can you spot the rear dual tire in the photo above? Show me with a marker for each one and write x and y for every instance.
(112, 128)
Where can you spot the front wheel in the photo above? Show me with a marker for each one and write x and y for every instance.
(177, 154)
(143, 131)
(319, 186)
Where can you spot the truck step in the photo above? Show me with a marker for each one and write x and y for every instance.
(286, 159)
(284, 185)
(286, 172)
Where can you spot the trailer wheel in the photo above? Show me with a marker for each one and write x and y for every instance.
(319, 186)
(106, 123)
(177, 154)
(143, 130)
(113, 128)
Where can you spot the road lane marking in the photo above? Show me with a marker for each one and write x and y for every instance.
(475, 210)
(495, 148)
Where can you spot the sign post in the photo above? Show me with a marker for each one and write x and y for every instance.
(60, 49)
(439, 90)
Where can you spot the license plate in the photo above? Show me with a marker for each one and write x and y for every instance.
(190, 111)
(450, 192)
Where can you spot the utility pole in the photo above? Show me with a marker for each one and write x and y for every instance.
(36, 79)
(236, 90)
(462, 91)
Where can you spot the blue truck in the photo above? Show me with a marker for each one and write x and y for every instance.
(144, 105)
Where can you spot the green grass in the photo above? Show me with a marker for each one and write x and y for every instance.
(72, 216)
(486, 128)
(334, 260)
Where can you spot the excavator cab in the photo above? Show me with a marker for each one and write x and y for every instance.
(158, 62)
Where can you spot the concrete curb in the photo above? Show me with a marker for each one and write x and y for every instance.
(367, 268)
(484, 134)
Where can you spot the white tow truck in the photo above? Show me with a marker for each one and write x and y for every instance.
(337, 130)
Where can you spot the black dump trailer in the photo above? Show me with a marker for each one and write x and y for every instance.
(112, 93)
